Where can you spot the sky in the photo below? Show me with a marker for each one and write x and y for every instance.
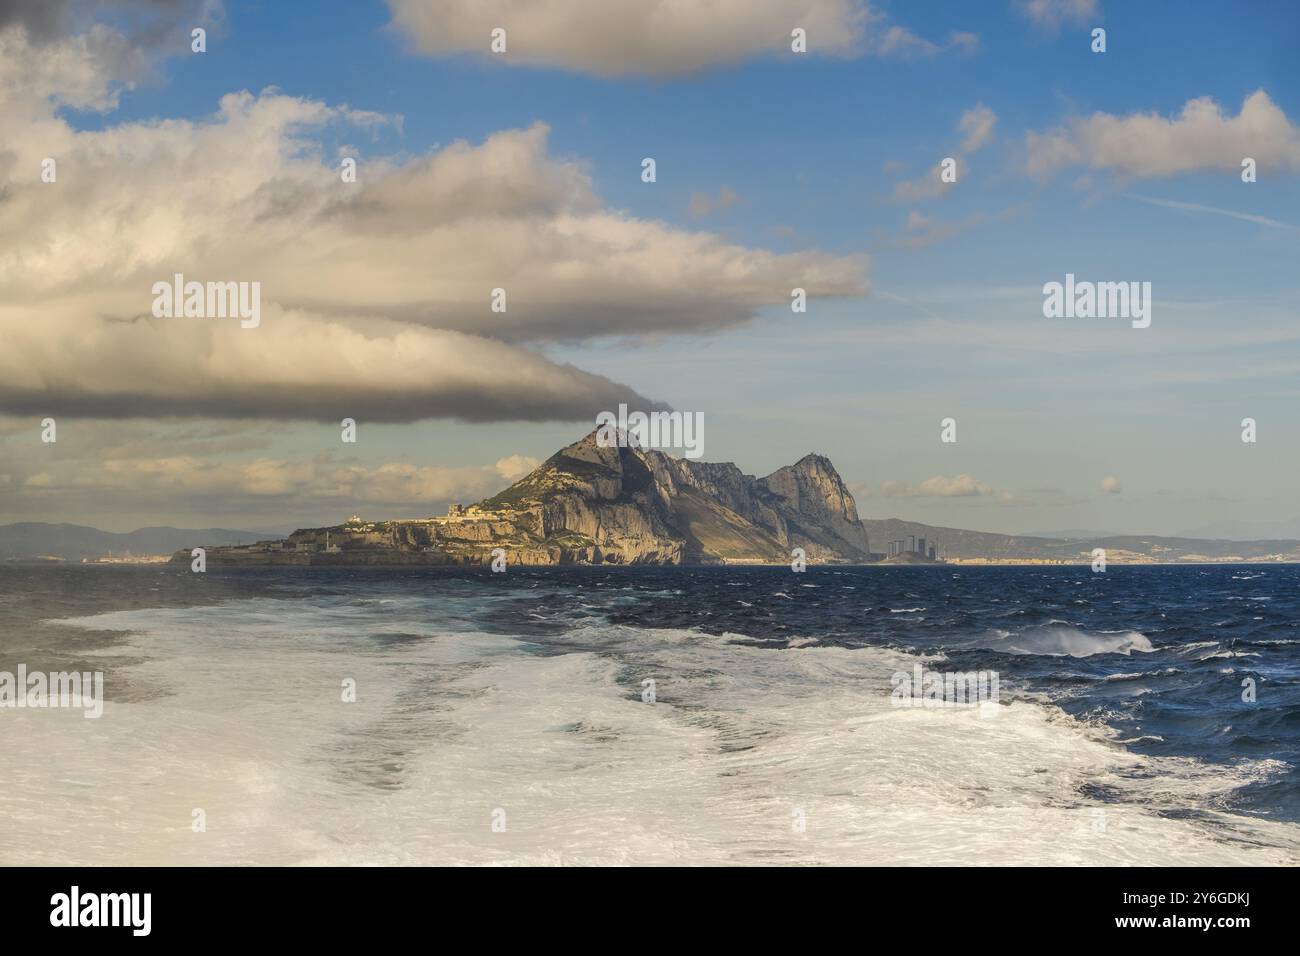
(522, 170)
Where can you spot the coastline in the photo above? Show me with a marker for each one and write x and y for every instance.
(420, 559)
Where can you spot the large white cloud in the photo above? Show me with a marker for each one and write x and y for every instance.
(1145, 145)
(654, 37)
(296, 365)
(375, 294)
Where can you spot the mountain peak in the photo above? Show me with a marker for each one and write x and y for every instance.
(813, 481)
(814, 491)
(630, 501)
(815, 463)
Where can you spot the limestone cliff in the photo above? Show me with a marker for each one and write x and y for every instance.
(589, 504)
(824, 515)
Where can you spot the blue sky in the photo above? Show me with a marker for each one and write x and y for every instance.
(812, 149)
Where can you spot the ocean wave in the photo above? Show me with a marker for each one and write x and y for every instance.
(1141, 675)
(560, 735)
(1058, 639)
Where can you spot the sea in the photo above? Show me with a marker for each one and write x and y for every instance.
(1146, 715)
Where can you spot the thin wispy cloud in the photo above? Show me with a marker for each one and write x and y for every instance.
(977, 124)
(1215, 210)
(1051, 14)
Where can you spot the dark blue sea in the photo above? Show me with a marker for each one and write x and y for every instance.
(655, 715)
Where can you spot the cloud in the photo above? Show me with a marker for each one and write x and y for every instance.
(977, 126)
(57, 50)
(325, 479)
(960, 486)
(83, 72)
(41, 18)
(961, 40)
(901, 42)
(1008, 500)
(1147, 145)
(428, 241)
(375, 294)
(1215, 210)
(152, 24)
(702, 204)
(1111, 485)
(921, 231)
(927, 186)
(516, 466)
(507, 215)
(654, 37)
(296, 365)
(218, 472)
(1050, 14)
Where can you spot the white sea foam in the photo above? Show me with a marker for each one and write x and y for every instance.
(237, 711)
(1059, 639)
(802, 642)
(1140, 675)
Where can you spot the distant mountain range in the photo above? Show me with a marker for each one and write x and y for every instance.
(589, 504)
(955, 543)
(1247, 530)
(72, 542)
(1072, 533)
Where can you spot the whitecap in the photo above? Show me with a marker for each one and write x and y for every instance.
(1058, 639)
